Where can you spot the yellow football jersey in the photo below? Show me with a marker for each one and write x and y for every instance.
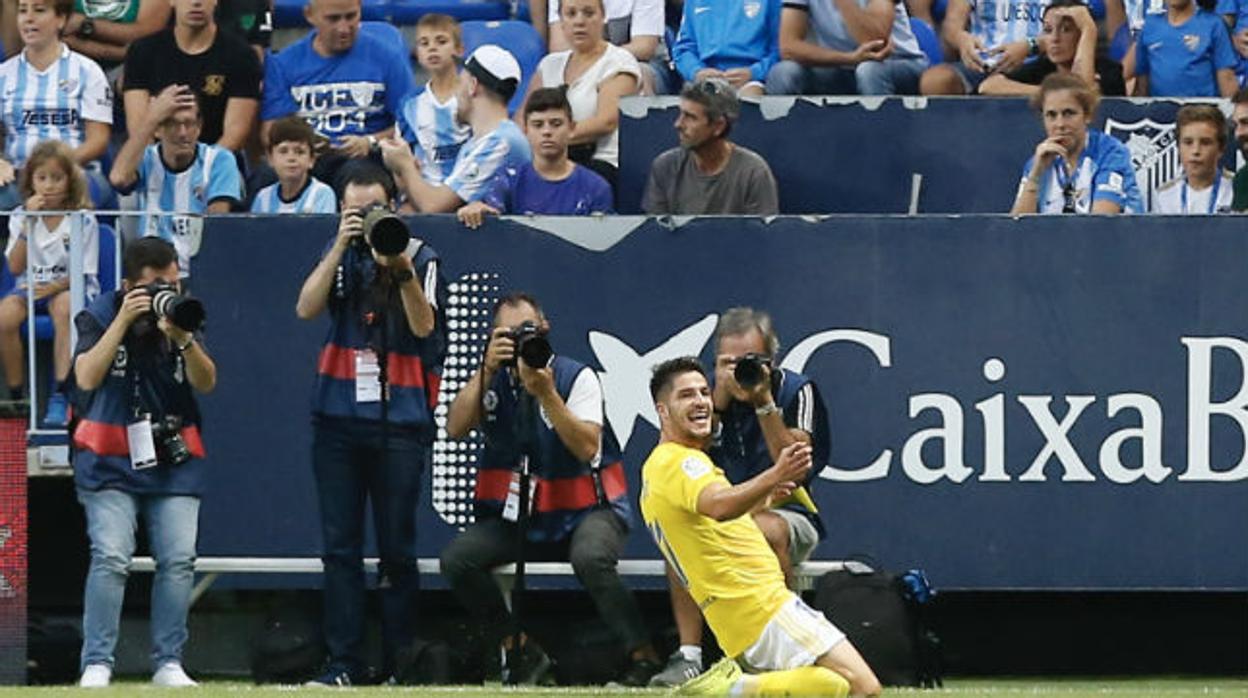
(728, 567)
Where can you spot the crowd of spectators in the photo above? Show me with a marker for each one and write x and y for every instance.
(211, 120)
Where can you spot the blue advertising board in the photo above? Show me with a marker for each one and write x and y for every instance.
(1048, 402)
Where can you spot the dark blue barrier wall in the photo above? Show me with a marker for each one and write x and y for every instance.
(989, 327)
(851, 156)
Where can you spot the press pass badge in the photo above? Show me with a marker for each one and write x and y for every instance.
(142, 446)
(511, 506)
(367, 376)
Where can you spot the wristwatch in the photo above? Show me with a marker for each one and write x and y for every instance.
(86, 30)
(769, 408)
(183, 347)
(1033, 46)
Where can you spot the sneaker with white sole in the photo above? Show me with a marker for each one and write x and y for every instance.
(172, 675)
(679, 669)
(96, 676)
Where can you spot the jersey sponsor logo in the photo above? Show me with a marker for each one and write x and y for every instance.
(1012, 11)
(447, 153)
(1113, 183)
(1154, 152)
(49, 117)
(214, 85)
(694, 468)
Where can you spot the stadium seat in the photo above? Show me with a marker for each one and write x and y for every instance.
(518, 37)
(288, 14)
(938, 9)
(520, 11)
(928, 41)
(1097, 8)
(1121, 43)
(408, 12)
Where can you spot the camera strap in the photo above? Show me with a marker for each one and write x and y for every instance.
(140, 442)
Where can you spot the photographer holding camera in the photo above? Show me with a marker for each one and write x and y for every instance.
(136, 451)
(542, 417)
(760, 410)
(372, 416)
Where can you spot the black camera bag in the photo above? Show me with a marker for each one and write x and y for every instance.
(882, 617)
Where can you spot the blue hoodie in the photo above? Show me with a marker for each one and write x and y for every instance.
(726, 34)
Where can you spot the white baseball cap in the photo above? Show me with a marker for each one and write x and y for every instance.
(496, 68)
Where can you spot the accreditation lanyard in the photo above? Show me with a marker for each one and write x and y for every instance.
(1067, 182)
(1213, 195)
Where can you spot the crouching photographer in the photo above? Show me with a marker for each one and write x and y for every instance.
(137, 451)
(542, 418)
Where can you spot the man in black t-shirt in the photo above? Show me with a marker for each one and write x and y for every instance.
(250, 19)
(219, 65)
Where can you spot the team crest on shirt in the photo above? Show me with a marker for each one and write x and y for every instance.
(362, 93)
(752, 8)
(1154, 152)
(1191, 41)
(214, 85)
(67, 86)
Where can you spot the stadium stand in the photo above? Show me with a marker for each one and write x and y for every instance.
(520, 38)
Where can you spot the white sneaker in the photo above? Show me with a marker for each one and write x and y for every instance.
(96, 676)
(171, 675)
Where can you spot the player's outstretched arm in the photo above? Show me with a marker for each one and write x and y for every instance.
(722, 502)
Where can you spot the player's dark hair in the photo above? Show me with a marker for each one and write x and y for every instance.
(666, 372)
(145, 253)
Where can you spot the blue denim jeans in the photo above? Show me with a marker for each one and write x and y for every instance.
(350, 470)
(895, 76)
(172, 527)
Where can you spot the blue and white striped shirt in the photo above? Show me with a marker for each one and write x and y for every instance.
(430, 126)
(173, 202)
(51, 104)
(997, 22)
(315, 197)
(481, 158)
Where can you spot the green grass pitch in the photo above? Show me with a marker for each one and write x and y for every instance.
(954, 688)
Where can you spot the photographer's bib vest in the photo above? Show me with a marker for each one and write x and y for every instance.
(740, 449)
(101, 452)
(414, 364)
(566, 489)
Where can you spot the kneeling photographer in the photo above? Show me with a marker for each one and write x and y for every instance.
(372, 414)
(137, 451)
(760, 409)
(545, 435)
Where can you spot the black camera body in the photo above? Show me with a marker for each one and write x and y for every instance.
(384, 232)
(167, 436)
(531, 345)
(749, 370)
(183, 311)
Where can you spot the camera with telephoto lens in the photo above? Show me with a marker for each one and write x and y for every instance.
(749, 370)
(384, 232)
(183, 311)
(170, 446)
(531, 345)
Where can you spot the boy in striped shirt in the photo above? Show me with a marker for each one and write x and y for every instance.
(178, 178)
(427, 117)
(292, 153)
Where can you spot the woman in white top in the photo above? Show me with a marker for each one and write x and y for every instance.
(1204, 187)
(48, 92)
(39, 243)
(597, 75)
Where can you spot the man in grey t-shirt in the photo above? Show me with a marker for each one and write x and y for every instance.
(709, 174)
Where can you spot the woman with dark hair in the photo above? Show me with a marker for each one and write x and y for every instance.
(1074, 169)
(1070, 49)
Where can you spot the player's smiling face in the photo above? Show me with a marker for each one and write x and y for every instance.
(38, 23)
(687, 410)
